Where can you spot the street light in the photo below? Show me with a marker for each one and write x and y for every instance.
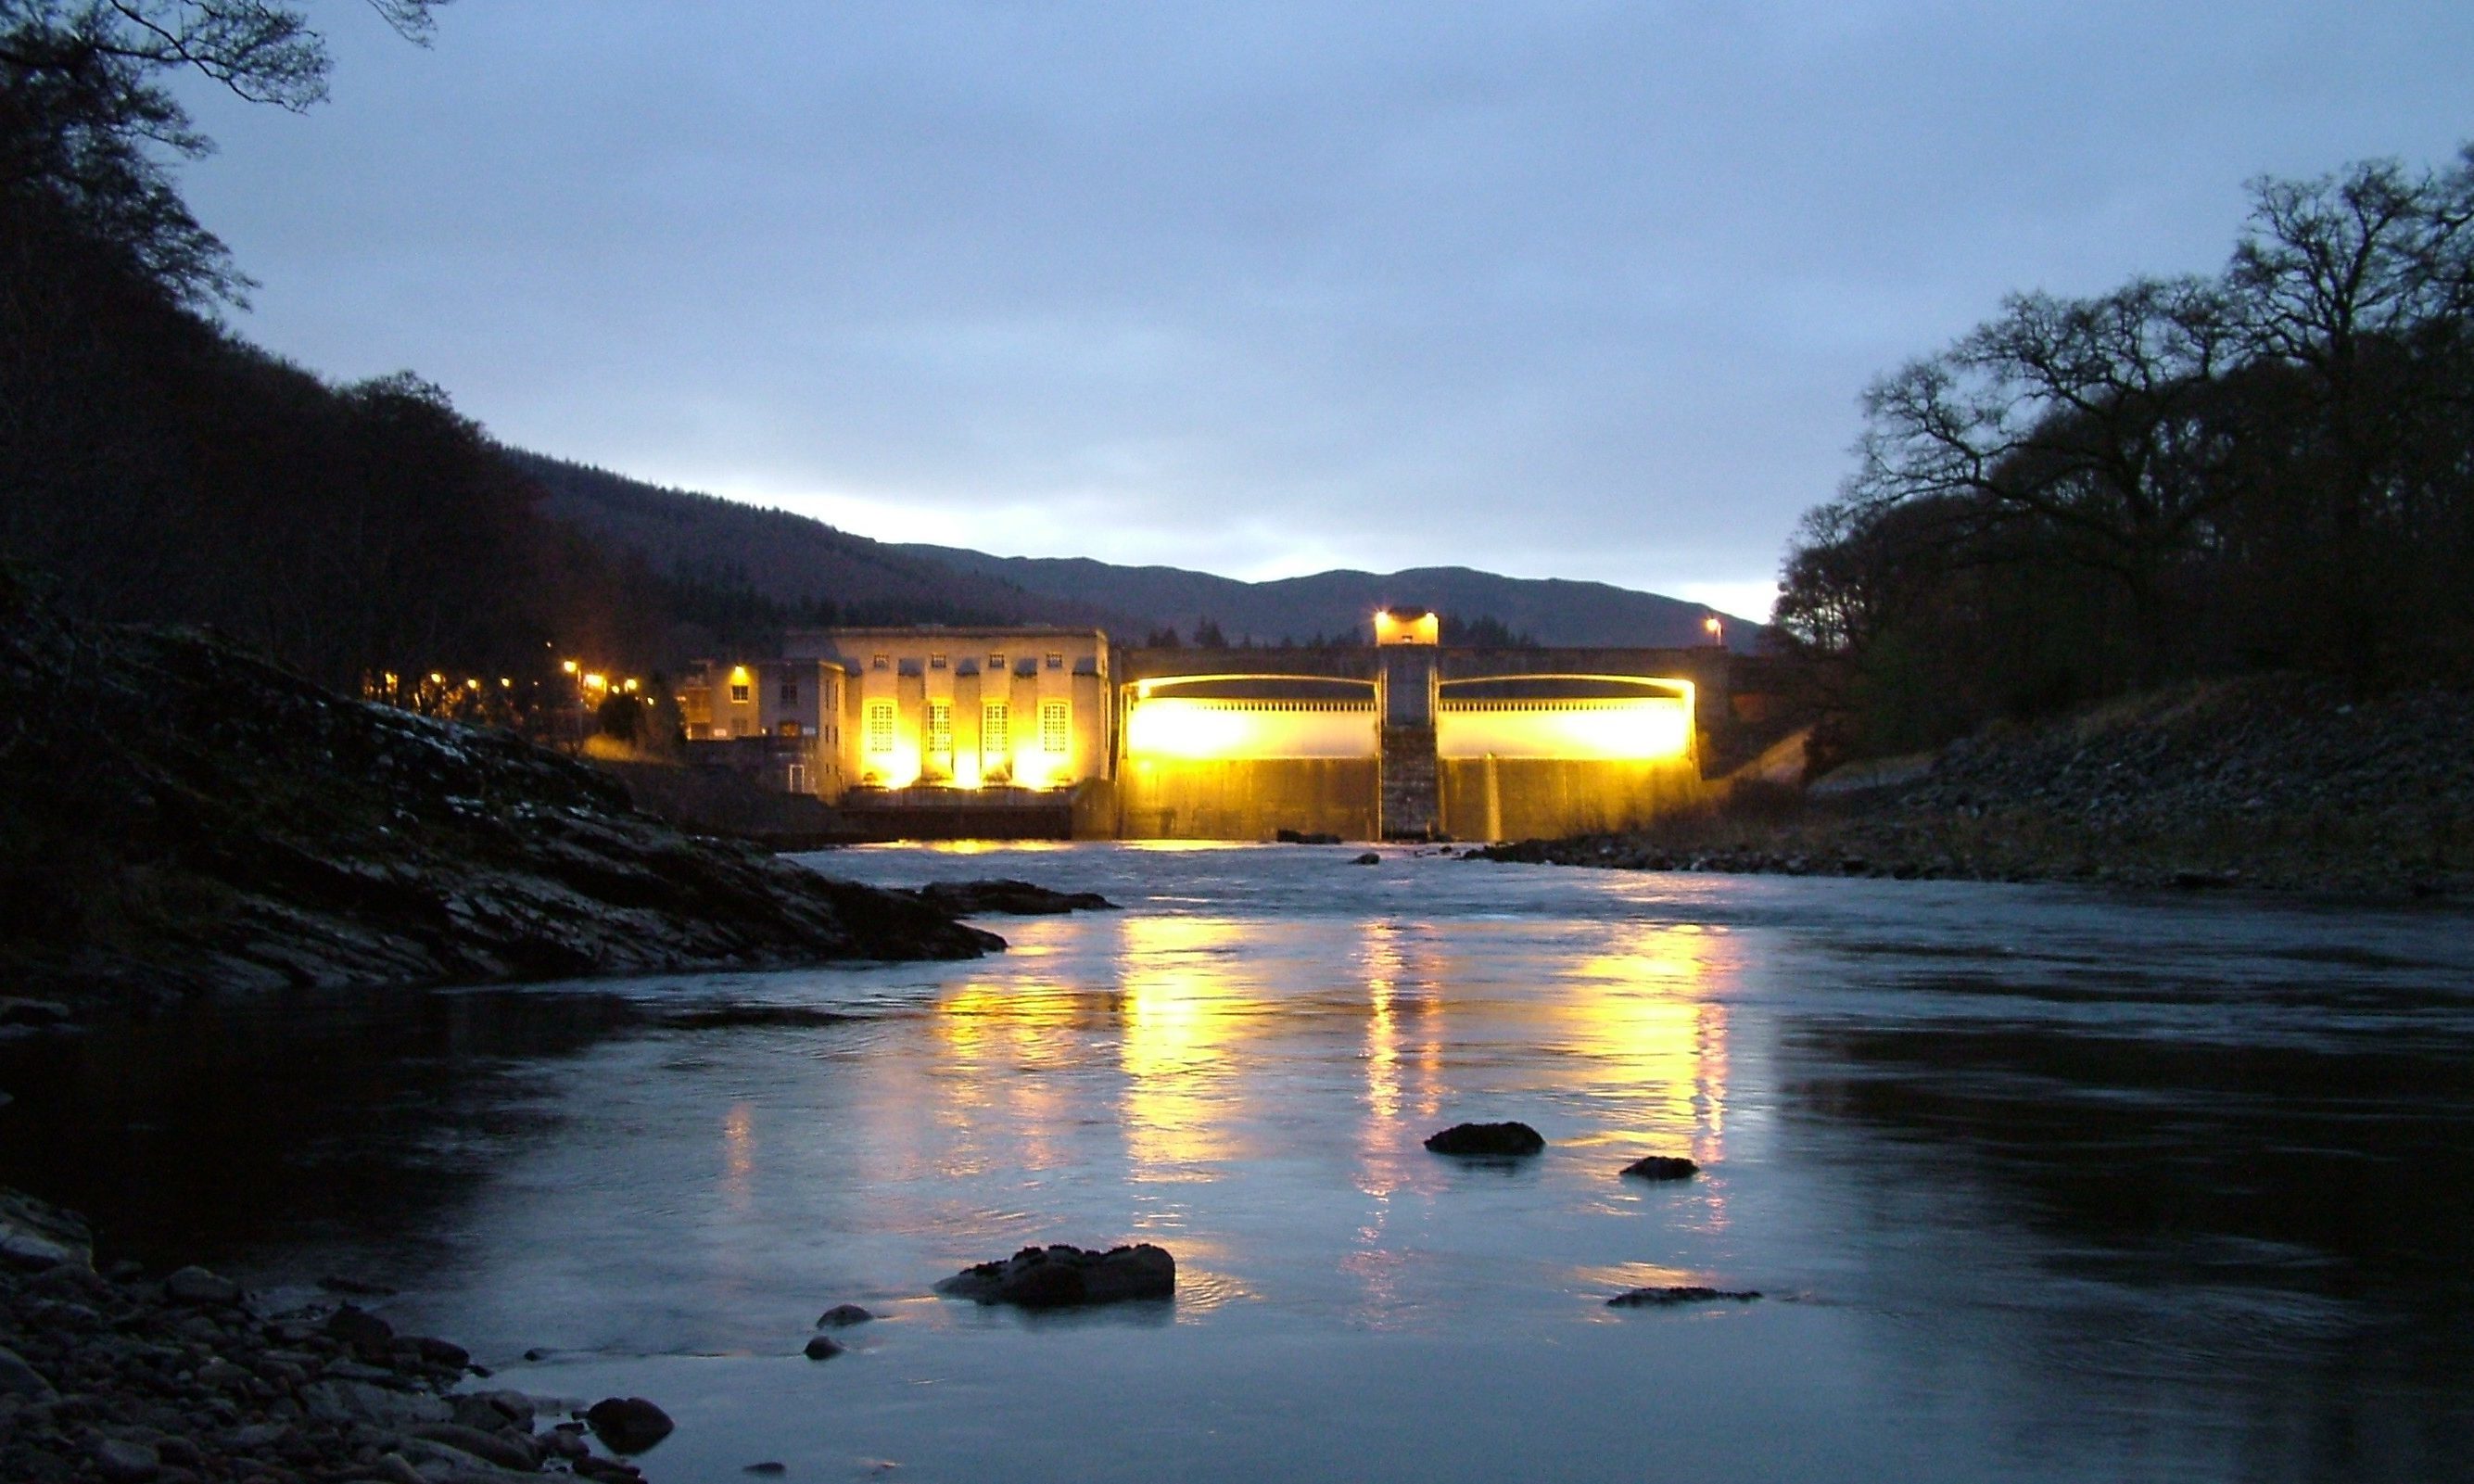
(1711, 624)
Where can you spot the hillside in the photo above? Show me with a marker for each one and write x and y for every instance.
(2281, 781)
(794, 560)
(790, 559)
(1551, 609)
(178, 815)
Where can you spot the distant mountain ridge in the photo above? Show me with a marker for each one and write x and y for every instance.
(1553, 610)
(795, 559)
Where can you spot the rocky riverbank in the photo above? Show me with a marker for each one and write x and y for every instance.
(126, 1377)
(177, 816)
(2271, 783)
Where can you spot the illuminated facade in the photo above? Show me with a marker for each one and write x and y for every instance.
(1404, 738)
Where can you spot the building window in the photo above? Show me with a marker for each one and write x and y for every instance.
(789, 729)
(995, 724)
(996, 661)
(936, 662)
(1052, 726)
(881, 662)
(796, 778)
(940, 728)
(1055, 661)
(880, 726)
(738, 694)
(790, 694)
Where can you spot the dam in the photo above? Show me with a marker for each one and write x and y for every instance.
(937, 733)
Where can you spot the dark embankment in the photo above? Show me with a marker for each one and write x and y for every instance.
(2269, 782)
(177, 815)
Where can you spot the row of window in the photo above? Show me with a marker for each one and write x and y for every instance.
(996, 728)
(1054, 659)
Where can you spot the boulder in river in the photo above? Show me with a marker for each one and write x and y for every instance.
(1008, 897)
(823, 1346)
(1679, 1293)
(199, 1286)
(1062, 1277)
(841, 1316)
(1662, 1167)
(1499, 1140)
(1369, 857)
(628, 1424)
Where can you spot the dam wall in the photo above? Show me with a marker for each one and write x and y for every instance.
(1526, 799)
(1248, 798)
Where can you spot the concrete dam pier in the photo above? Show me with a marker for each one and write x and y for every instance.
(933, 733)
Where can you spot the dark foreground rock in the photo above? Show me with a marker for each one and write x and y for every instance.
(1496, 1139)
(1665, 1298)
(1662, 1167)
(628, 1424)
(139, 1379)
(1007, 897)
(177, 817)
(1061, 1276)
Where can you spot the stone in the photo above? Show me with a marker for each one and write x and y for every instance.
(123, 1462)
(841, 1316)
(1062, 1277)
(824, 1346)
(1492, 1139)
(1662, 1167)
(446, 1355)
(505, 1449)
(1683, 1293)
(20, 1379)
(494, 1411)
(360, 1288)
(359, 1329)
(607, 1469)
(628, 1424)
(768, 1468)
(395, 1469)
(199, 1286)
(1368, 859)
(341, 1401)
(1008, 897)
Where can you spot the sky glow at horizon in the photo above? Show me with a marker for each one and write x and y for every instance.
(1583, 290)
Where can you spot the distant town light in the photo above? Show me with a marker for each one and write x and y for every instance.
(1711, 624)
(568, 666)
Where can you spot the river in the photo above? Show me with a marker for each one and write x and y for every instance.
(2037, 1183)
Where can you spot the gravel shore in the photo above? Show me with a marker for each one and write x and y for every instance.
(126, 1377)
(2271, 782)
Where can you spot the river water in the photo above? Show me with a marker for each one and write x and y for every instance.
(2038, 1183)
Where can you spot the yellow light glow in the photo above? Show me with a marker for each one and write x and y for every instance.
(435, 678)
(1644, 730)
(629, 685)
(507, 683)
(1406, 627)
(1647, 1026)
(1184, 1008)
(738, 674)
(568, 666)
(1194, 729)
(594, 681)
(1033, 769)
(472, 685)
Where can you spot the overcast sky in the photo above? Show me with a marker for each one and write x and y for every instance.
(1555, 290)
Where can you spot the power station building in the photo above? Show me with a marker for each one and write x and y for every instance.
(943, 731)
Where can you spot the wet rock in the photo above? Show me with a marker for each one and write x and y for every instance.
(123, 1462)
(1662, 1167)
(769, 1469)
(35, 1235)
(1369, 857)
(1683, 1293)
(607, 1470)
(445, 1355)
(506, 1449)
(627, 1424)
(841, 1316)
(359, 1329)
(1494, 1139)
(347, 1400)
(395, 1469)
(199, 1286)
(493, 1411)
(20, 1379)
(1006, 896)
(17, 1011)
(359, 1288)
(824, 1346)
(1061, 1276)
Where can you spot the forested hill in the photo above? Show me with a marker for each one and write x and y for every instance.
(1549, 610)
(801, 566)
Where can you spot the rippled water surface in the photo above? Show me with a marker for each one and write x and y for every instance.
(2039, 1184)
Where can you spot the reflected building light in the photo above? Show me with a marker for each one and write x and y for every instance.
(738, 1158)
(1183, 1009)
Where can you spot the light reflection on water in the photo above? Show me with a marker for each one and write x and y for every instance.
(2043, 1185)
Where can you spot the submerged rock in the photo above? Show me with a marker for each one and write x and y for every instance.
(1498, 1139)
(823, 1346)
(1663, 1167)
(628, 1424)
(1008, 897)
(1061, 1276)
(843, 1315)
(1682, 1293)
(1369, 857)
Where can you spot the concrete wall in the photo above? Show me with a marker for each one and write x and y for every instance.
(1523, 799)
(1178, 799)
